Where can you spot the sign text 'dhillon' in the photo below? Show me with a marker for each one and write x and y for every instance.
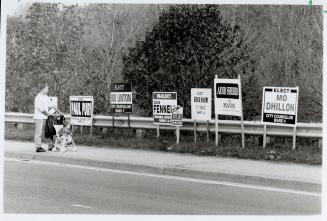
(279, 105)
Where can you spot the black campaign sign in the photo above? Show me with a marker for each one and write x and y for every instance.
(121, 98)
(227, 90)
(279, 118)
(81, 108)
(121, 87)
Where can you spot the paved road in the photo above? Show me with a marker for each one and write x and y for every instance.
(44, 187)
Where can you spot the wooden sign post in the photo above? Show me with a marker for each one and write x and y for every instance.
(228, 101)
(279, 107)
(242, 124)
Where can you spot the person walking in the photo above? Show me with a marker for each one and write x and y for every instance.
(41, 113)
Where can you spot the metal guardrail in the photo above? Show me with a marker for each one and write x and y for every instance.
(308, 130)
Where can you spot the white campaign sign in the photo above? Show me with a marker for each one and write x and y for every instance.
(81, 110)
(163, 104)
(121, 98)
(201, 104)
(279, 105)
(53, 101)
(177, 116)
(227, 97)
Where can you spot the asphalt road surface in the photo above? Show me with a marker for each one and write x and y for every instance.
(44, 187)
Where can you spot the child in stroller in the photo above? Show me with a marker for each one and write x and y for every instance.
(64, 137)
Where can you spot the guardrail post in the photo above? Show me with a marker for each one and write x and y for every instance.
(320, 143)
(20, 126)
(105, 130)
(208, 138)
(113, 124)
(177, 134)
(294, 138)
(129, 122)
(194, 131)
(264, 136)
(268, 140)
(216, 131)
(158, 131)
(256, 141)
(139, 133)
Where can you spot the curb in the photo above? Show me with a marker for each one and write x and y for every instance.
(175, 171)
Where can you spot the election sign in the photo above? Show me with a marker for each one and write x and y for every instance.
(53, 101)
(177, 116)
(81, 110)
(163, 104)
(121, 98)
(201, 103)
(227, 97)
(279, 105)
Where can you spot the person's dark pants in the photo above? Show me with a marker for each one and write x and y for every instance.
(39, 128)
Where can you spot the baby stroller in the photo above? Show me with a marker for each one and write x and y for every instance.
(54, 125)
(63, 142)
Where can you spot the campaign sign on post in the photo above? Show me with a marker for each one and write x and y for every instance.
(227, 97)
(279, 105)
(201, 103)
(81, 110)
(121, 98)
(163, 104)
(177, 116)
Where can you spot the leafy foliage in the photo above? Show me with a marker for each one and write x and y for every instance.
(186, 49)
(45, 46)
(82, 50)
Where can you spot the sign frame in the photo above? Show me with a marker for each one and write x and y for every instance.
(174, 105)
(74, 119)
(239, 86)
(218, 101)
(208, 114)
(296, 108)
(177, 123)
(53, 100)
(127, 89)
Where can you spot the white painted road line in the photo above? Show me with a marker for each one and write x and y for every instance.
(82, 206)
(31, 198)
(186, 179)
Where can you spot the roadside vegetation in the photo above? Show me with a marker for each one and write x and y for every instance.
(279, 150)
(82, 50)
